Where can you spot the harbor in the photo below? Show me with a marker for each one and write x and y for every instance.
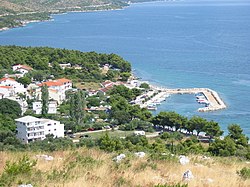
(208, 98)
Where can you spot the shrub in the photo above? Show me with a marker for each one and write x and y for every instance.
(244, 173)
(12, 170)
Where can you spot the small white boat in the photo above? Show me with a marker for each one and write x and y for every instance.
(151, 107)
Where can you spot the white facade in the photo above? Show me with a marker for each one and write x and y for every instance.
(52, 108)
(30, 128)
(23, 69)
(6, 91)
(57, 89)
(18, 88)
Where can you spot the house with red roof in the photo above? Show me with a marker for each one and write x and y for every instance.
(17, 87)
(23, 69)
(57, 88)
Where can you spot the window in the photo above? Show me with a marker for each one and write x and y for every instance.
(54, 129)
(49, 124)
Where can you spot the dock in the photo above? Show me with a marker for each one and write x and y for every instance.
(156, 95)
(214, 100)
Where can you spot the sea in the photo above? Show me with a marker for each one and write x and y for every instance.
(173, 44)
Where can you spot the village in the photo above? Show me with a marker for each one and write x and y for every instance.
(31, 128)
(151, 97)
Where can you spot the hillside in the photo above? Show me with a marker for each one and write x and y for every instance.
(92, 167)
(17, 12)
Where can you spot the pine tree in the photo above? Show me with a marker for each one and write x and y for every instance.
(45, 99)
(77, 104)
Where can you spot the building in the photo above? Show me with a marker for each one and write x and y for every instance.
(6, 91)
(52, 107)
(18, 87)
(30, 128)
(23, 69)
(57, 88)
(63, 66)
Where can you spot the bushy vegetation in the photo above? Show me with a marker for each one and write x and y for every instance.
(16, 12)
(244, 173)
(14, 170)
(45, 62)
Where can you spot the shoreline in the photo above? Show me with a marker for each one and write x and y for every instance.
(159, 94)
(26, 22)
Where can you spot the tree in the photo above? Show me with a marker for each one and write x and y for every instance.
(24, 80)
(199, 123)
(212, 129)
(7, 123)
(170, 119)
(235, 133)
(224, 147)
(45, 100)
(93, 101)
(77, 105)
(144, 86)
(10, 108)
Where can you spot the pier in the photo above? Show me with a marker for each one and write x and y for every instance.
(156, 95)
(212, 97)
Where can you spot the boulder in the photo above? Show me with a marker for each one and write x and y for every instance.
(119, 157)
(140, 154)
(183, 160)
(25, 185)
(45, 157)
(187, 175)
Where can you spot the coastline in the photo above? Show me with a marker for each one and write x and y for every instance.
(24, 23)
(158, 94)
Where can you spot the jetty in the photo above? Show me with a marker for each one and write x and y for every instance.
(153, 97)
(214, 102)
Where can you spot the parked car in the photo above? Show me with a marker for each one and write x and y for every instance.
(91, 129)
(85, 136)
(72, 136)
(107, 127)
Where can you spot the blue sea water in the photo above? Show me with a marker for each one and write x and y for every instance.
(173, 44)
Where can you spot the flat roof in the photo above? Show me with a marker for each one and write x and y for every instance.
(27, 119)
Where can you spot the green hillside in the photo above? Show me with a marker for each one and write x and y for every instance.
(15, 13)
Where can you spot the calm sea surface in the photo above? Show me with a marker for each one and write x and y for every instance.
(173, 44)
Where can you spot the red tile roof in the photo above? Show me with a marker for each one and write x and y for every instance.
(63, 80)
(57, 82)
(6, 87)
(4, 79)
(107, 83)
(23, 67)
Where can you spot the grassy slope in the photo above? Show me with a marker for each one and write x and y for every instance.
(100, 170)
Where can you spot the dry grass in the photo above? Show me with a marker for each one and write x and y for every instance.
(102, 171)
(88, 85)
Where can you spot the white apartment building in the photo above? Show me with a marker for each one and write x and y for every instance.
(52, 107)
(6, 91)
(30, 128)
(17, 87)
(57, 88)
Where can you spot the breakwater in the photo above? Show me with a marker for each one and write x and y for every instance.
(213, 100)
